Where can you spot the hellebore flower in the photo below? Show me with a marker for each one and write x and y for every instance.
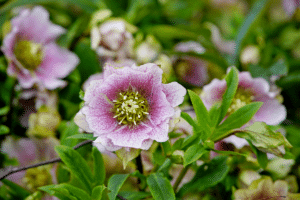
(32, 53)
(190, 69)
(112, 40)
(290, 6)
(249, 90)
(129, 107)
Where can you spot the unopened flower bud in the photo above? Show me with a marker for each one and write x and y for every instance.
(37, 177)
(148, 50)
(250, 55)
(177, 157)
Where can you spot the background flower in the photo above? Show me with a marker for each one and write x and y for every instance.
(32, 53)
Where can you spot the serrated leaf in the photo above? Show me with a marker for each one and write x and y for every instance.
(263, 138)
(160, 187)
(82, 136)
(232, 81)
(115, 183)
(208, 175)
(77, 165)
(99, 168)
(97, 192)
(127, 156)
(203, 120)
(236, 120)
(193, 153)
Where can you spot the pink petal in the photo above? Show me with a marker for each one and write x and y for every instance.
(36, 26)
(80, 120)
(105, 144)
(100, 122)
(213, 92)
(128, 137)
(175, 93)
(9, 43)
(159, 132)
(271, 112)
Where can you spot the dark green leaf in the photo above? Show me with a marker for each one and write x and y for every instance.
(99, 168)
(4, 110)
(68, 129)
(236, 120)
(97, 192)
(15, 188)
(115, 183)
(203, 119)
(254, 15)
(193, 153)
(160, 187)
(76, 164)
(208, 175)
(88, 58)
(232, 81)
(132, 195)
(82, 136)
(261, 156)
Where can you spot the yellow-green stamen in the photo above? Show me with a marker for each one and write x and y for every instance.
(130, 108)
(240, 99)
(29, 54)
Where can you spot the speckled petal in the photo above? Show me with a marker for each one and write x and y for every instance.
(213, 92)
(175, 93)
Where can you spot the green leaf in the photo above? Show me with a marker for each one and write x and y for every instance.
(203, 119)
(88, 58)
(232, 81)
(3, 129)
(189, 119)
(115, 183)
(263, 138)
(236, 120)
(87, 6)
(193, 153)
(75, 31)
(132, 195)
(76, 164)
(4, 110)
(261, 156)
(127, 156)
(165, 167)
(16, 189)
(160, 187)
(168, 32)
(82, 136)
(73, 191)
(207, 175)
(99, 168)
(49, 190)
(68, 129)
(254, 15)
(229, 153)
(214, 114)
(97, 192)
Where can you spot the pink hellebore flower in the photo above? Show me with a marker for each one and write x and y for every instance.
(32, 53)
(191, 69)
(249, 90)
(112, 40)
(129, 107)
(290, 6)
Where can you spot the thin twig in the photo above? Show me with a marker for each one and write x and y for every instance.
(18, 169)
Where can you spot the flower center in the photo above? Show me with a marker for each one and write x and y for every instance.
(240, 99)
(29, 54)
(37, 177)
(130, 108)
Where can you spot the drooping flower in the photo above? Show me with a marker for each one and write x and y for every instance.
(33, 55)
(190, 69)
(249, 90)
(129, 107)
(112, 40)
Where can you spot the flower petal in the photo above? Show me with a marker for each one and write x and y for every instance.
(175, 93)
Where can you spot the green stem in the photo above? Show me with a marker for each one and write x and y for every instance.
(180, 177)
